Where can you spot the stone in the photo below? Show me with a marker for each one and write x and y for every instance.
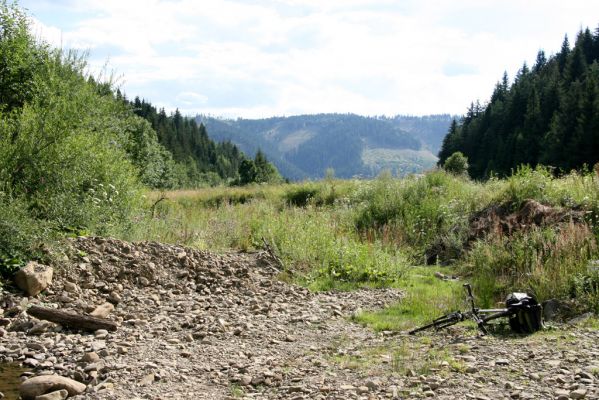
(147, 380)
(71, 287)
(102, 311)
(33, 278)
(90, 357)
(38, 385)
(245, 380)
(578, 394)
(373, 385)
(580, 319)
(551, 309)
(101, 334)
(114, 298)
(56, 395)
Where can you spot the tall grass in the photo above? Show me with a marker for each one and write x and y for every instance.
(544, 262)
(419, 211)
(343, 234)
(317, 244)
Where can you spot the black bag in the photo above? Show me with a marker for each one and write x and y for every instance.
(527, 316)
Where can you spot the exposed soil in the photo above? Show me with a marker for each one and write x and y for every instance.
(500, 220)
(204, 326)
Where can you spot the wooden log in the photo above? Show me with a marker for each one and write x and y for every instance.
(72, 320)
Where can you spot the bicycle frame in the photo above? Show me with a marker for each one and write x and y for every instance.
(480, 316)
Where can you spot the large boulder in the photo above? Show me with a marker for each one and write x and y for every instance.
(43, 384)
(33, 278)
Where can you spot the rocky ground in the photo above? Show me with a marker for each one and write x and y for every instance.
(194, 325)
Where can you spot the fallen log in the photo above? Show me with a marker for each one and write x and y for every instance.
(72, 320)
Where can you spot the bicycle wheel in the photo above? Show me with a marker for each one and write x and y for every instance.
(440, 323)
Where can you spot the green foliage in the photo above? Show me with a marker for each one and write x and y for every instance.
(301, 196)
(543, 261)
(65, 164)
(348, 262)
(20, 58)
(258, 170)
(20, 235)
(368, 232)
(199, 161)
(575, 190)
(417, 211)
(548, 115)
(585, 286)
(456, 164)
(427, 297)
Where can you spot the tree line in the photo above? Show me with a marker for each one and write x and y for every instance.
(549, 115)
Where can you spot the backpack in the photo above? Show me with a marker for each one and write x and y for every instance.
(526, 314)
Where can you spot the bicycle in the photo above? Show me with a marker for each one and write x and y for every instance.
(522, 311)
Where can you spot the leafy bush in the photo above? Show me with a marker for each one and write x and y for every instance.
(418, 210)
(20, 235)
(67, 157)
(456, 164)
(585, 286)
(301, 196)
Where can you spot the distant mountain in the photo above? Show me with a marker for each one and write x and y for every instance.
(305, 146)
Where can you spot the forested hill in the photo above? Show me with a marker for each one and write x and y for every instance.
(200, 159)
(305, 146)
(549, 115)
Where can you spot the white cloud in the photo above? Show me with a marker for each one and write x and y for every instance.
(275, 57)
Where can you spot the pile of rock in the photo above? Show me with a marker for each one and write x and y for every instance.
(190, 323)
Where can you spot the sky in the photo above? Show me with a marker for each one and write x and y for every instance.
(262, 58)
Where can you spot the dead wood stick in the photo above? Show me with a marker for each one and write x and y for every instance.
(72, 320)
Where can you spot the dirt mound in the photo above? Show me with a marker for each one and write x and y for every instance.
(501, 220)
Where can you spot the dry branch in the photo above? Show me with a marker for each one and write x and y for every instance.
(72, 320)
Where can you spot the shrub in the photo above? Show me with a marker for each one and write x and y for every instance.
(300, 196)
(64, 165)
(416, 211)
(456, 164)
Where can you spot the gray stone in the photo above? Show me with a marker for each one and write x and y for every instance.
(147, 380)
(580, 319)
(71, 287)
(90, 357)
(578, 394)
(43, 384)
(245, 380)
(56, 395)
(102, 311)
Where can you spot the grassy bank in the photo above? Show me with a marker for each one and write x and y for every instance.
(347, 234)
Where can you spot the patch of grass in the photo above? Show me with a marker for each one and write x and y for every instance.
(427, 297)
(236, 391)
(413, 358)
